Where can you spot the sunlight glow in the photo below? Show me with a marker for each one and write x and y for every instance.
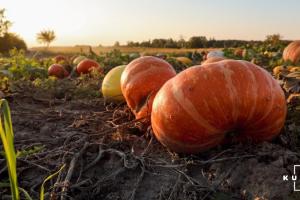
(104, 22)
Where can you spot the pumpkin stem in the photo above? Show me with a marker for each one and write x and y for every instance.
(143, 102)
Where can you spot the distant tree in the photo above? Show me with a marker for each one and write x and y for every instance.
(181, 43)
(8, 40)
(137, 44)
(117, 44)
(202, 42)
(158, 43)
(211, 42)
(197, 42)
(145, 43)
(46, 37)
(130, 43)
(4, 23)
(170, 43)
(273, 39)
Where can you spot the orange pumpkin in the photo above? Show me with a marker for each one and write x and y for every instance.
(60, 59)
(294, 69)
(238, 52)
(202, 106)
(292, 52)
(58, 71)
(279, 70)
(141, 80)
(212, 60)
(86, 65)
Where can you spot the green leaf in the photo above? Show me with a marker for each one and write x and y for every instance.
(42, 193)
(27, 196)
(7, 138)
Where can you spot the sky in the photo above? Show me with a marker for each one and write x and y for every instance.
(103, 22)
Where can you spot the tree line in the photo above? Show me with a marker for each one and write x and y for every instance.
(203, 42)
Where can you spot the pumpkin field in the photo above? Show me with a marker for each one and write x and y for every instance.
(202, 124)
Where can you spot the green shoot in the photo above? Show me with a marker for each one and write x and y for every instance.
(6, 184)
(42, 193)
(7, 137)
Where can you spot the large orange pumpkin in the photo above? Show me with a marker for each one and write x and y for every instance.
(224, 101)
(292, 52)
(212, 60)
(86, 65)
(141, 80)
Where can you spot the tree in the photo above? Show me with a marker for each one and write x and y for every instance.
(181, 43)
(8, 40)
(158, 43)
(197, 42)
(170, 43)
(4, 23)
(46, 37)
(273, 39)
(146, 43)
(117, 44)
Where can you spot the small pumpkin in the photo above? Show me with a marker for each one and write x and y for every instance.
(86, 65)
(141, 80)
(215, 53)
(184, 60)
(202, 106)
(212, 60)
(111, 85)
(294, 69)
(134, 55)
(292, 52)
(279, 70)
(78, 59)
(238, 52)
(58, 71)
(60, 59)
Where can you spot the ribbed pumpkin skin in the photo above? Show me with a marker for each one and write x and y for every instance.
(212, 60)
(195, 110)
(141, 80)
(292, 52)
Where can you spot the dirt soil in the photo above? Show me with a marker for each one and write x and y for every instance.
(108, 155)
